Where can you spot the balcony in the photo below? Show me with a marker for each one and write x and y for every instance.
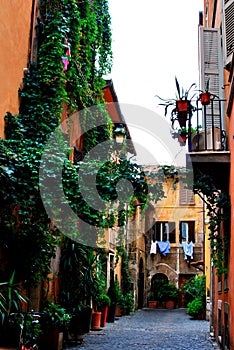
(208, 147)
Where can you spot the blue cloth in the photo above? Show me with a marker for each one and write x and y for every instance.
(183, 230)
(164, 247)
(188, 250)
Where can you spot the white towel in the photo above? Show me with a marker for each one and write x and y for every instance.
(153, 248)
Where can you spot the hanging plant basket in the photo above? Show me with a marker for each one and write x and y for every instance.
(183, 137)
(182, 119)
(182, 105)
(205, 98)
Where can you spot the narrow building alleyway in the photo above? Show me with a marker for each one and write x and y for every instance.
(152, 330)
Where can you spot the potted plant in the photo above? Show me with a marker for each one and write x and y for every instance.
(11, 301)
(104, 303)
(183, 133)
(152, 303)
(196, 308)
(171, 295)
(114, 295)
(205, 95)
(181, 104)
(53, 325)
(126, 303)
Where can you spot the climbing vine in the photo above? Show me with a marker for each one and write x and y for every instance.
(49, 88)
(218, 209)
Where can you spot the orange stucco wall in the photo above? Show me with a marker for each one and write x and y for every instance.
(15, 18)
(231, 261)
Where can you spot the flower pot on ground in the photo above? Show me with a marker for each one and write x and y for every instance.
(102, 305)
(170, 304)
(114, 295)
(118, 312)
(52, 325)
(126, 303)
(104, 311)
(196, 308)
(96, 320)
(152, 304)
(167, 292)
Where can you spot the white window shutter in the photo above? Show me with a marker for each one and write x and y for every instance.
(211, 68)
(229, 30)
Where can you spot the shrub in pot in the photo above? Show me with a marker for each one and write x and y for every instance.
(114, 295)
(196, 308)
(126, 303)
(152, 303)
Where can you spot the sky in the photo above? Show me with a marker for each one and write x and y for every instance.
(153, 41)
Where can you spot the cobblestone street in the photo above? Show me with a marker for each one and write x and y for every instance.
(152, 329)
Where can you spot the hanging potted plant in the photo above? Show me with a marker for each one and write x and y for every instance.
(183, 133)
(181, 105)
(205, 95)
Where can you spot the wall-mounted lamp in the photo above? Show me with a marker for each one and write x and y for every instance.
(119, 134)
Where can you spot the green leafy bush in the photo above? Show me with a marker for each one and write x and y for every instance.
(196, 307)
(195, 288)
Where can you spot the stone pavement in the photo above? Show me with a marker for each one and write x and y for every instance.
(151, 329)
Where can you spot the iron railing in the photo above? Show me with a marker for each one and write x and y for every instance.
(207, 129)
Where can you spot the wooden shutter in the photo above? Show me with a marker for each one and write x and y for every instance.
(211, 68)
(186, 195)
(229, 30)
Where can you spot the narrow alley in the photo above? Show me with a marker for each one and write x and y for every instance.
(151, 329)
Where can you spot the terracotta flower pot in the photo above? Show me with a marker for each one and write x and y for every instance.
(170, 304)
(104, 312)
(96, 320)
(182, 105)
(205, 98)
(118, 312)
(183, 137)
(152, 304)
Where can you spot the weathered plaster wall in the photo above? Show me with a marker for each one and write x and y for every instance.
(15, 18)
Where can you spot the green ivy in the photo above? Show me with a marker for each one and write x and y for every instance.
(218, 210)
(26, 237)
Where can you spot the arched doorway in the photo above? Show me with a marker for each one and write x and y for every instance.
(157, 281)
(141, 283)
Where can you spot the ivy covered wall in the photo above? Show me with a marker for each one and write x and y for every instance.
(73, 53)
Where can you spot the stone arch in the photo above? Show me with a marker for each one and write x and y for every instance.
(165, 269)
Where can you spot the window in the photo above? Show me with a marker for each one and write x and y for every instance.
(187, 231)
(163, 231)
(186, 195)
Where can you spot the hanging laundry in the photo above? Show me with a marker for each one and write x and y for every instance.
(188, 250)
(153, 248)
(164, 247)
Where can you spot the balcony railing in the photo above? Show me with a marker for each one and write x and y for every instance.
(209, 125)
